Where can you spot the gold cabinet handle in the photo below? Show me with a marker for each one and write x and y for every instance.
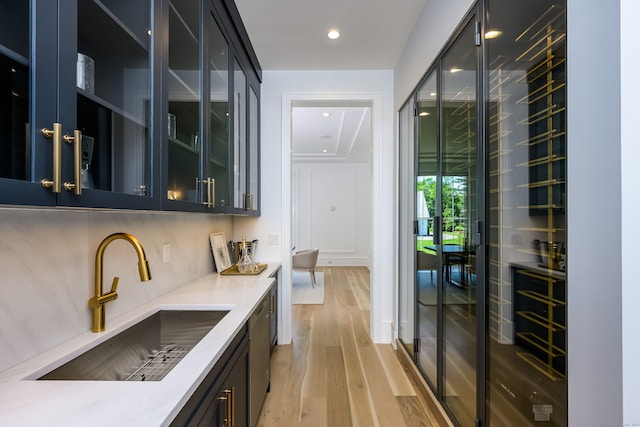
(231, 406)
(56, 136)
(211, 189)
(76, 140)
(225, 398)
(229, 394)
(211, 192)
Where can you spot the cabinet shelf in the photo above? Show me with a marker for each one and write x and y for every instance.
(542, 206)
(542, 46)
(542, 161)
(537, 296)
(543, 368)
(538, 319)
(184, 145)
(109, 106)
(141, 39)
(547, 113)
(542, 137)
(14, 56)
(541, 92)
(549, 65)
(545, 183)
(541, 344)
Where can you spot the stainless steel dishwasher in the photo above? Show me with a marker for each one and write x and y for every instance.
(259, 358)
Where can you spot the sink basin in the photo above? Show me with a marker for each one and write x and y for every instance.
(146, 351)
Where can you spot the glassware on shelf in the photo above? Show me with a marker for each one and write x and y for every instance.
(85, 72)
(245, 263)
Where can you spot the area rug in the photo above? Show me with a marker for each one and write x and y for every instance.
(302, 292)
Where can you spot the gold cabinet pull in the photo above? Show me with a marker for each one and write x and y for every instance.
(209, 198)
(211, 189)
(231, 407)
(225, 398)
(56, 136)
(76, 140)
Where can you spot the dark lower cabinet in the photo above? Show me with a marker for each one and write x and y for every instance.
(222, 398)
(273, 315)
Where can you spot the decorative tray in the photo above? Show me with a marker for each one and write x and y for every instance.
(234, 270)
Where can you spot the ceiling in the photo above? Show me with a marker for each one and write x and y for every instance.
(292, 35)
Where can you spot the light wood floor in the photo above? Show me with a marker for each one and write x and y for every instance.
(332, 374)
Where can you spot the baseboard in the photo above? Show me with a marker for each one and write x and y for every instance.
(342, 262)
(441, 417)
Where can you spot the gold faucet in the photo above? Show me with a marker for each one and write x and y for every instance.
(99, 300)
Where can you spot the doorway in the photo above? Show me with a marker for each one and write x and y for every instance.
(381, 324)
(331, 184)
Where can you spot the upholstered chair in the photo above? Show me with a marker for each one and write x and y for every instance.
(306, 260)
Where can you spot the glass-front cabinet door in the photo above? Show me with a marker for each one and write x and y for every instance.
(106, 102)
(219, 153)
(427, 240)
(184, 93)
(239, 136)
(252, 198)
(76, 112)
(458, 204)
(25, 55)
(527, 271)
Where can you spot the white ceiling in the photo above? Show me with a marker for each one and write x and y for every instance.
(331, 132)
(292, 35)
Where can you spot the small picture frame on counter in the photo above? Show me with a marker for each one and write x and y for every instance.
(220, 252)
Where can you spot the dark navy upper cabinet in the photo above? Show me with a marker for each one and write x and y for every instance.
(130, 105)
(213, 82)
(26, 56)
(78, 91)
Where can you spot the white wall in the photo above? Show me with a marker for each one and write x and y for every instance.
(434, 27)
(47, 265)
(279, 89)
(333, 212)
(594, 203)
(630, 179)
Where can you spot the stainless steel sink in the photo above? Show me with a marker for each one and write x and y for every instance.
(146, 351)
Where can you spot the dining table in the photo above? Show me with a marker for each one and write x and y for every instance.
(453, 254)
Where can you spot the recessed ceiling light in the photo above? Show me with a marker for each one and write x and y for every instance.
(423, 114)
(432, 94)
(492, 34)
(333, 34)
(456, 70)
(326, 114)
(324, 151)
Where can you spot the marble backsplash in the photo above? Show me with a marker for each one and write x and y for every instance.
(47, 269)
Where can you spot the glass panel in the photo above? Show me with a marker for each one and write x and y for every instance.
(239, 135)
(254, 147)
(219, 111)
(458, 201)
(406, 246)
(526, 346)
(14, 90)
(184, 100)
(427, 270)
(113, 94)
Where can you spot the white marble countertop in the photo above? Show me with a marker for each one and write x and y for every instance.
(27, 402)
